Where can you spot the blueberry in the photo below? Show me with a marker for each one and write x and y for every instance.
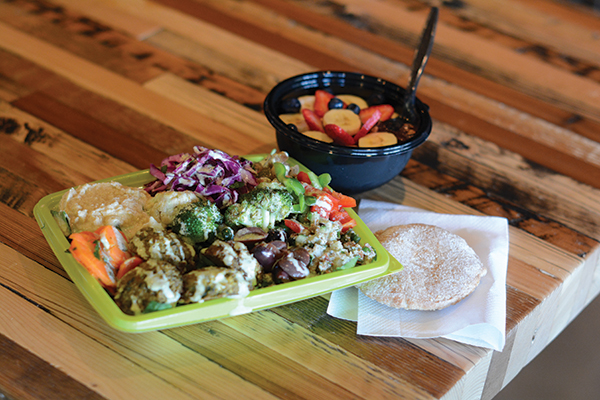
(292, 127)
(335, 103)
(354, 108)
(290, 106)
(375, 99)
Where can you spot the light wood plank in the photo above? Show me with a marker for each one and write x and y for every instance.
(536, 24)
(325, 358)
(470, 387)
(205, 44)
(130, 94)
(134, 25)
(136, 365)
(579, 94)
(215, 106)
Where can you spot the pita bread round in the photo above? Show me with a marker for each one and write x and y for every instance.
(440, 268)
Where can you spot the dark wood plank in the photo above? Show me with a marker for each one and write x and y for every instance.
(94, 132)
(24, 162)
(496, 201)
(23, 234)
(28, 377)
(89, 108)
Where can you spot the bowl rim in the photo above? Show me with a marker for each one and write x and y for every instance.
(324, 79)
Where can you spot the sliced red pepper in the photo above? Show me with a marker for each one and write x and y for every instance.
(339, 135)
(321, 105)
(312, 120)
(386, 110)
(303, 177)
(342, 199)
(294, 225)
(340, 215)
(128, 265)
(325, 205)
(348, 224)
(344, 218)
(368, 125)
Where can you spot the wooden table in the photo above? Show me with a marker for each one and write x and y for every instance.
(94, 89)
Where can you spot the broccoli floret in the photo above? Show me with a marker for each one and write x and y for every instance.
(197, 221)
(261, 208)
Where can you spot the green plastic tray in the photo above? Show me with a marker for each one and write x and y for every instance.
(258, 299)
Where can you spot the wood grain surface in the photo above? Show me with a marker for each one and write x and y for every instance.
(97, 88)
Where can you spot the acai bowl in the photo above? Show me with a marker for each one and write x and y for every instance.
(353, 169)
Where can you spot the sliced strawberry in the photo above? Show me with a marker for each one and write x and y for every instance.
(339, 135)
(368, 125)
(312, 120)
(321, 105)
(386, 111)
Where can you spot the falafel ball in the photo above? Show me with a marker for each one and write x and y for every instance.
(212, 283)
(234, 255)
(150, 243)
(152, 285)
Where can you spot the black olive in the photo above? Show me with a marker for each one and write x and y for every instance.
(295, 263)
(280, 276)
(265, 254)
(280, 245)
(250, 235)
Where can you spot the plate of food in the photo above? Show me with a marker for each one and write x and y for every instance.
(206, 235)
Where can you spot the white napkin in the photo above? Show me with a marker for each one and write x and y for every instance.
(479, 320)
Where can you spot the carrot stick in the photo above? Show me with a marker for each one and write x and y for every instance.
(84, 250)
(114, 245)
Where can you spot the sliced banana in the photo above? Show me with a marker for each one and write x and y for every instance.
(378, 139)
(307, 101)
(323, 137)
(296, 119)
(345, 119)
(350, 98)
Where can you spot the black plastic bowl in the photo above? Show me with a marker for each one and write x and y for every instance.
(353, 170)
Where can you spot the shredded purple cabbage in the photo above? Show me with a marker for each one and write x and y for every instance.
(212, 173)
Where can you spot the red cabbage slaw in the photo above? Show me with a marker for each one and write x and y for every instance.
(212, 173)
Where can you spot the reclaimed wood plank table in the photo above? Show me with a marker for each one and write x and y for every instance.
(97, 88)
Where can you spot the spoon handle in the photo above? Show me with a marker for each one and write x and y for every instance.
(422, 55)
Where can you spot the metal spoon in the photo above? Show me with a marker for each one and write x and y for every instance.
(409, 113)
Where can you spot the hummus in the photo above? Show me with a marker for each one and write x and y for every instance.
(93, 205)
